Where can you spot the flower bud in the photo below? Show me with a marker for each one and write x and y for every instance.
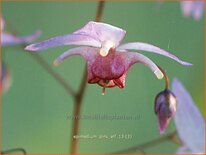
(165, 108)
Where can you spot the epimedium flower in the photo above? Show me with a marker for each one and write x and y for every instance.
(8, 39)
(189, 122)
(108, 62)
(165, 108)
(193, 8)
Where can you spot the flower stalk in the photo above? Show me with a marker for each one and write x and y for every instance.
(141, 148)
(80, 94)
(54, 74)
(165, 77)
(23, 151)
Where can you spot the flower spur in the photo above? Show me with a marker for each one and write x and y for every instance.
(107, 61)
(8, 39)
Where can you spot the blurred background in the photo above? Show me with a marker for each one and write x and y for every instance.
(36, 108)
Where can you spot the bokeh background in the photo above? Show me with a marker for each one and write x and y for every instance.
(36, 108)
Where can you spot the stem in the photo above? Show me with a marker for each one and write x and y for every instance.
(80, 93)
(75, 129)
(47, 67)
(99, 11)
(14, 150)
(76, 113)
(144, 146)
(165, 77)
(1, 89)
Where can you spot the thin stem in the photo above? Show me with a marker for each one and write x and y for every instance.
(47, 67)
(165, 77)
(99, 11)
(141, 148)
(14, 150)
(75, 127)
(1, 86)
(80, 94)
(76, 113)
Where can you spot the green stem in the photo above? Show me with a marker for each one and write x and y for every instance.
(76, 113)
(54, 74)
(14, 150)
(141, 148)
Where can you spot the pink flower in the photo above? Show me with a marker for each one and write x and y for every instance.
(189, 122)
(107, 61)
(193, 8)
(8, 39)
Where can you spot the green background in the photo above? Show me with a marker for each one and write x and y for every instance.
(36, 107)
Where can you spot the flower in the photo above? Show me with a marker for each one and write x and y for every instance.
(165, 108)
(189, 122)
(8, 39)
(193, 8)
(107, 61)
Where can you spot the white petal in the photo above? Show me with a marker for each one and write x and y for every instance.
(69, 39)
(150, 48)
(188, 119)
(132, 58)
(87, 52)
(9, 39)
(103, 32)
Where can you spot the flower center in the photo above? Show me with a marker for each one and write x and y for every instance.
(109, 67)
(106, 46)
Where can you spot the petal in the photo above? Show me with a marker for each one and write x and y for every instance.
(110, 67)
(189, 122)
(9, 39)
(198, 9)
(103, 32)
(184, 150)
(121, 81)
(150, 48)
(131, 58)
(186, 7)
(69, 39)
(89, 53)
(163, 122)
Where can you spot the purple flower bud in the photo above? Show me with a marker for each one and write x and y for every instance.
(165, 108)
